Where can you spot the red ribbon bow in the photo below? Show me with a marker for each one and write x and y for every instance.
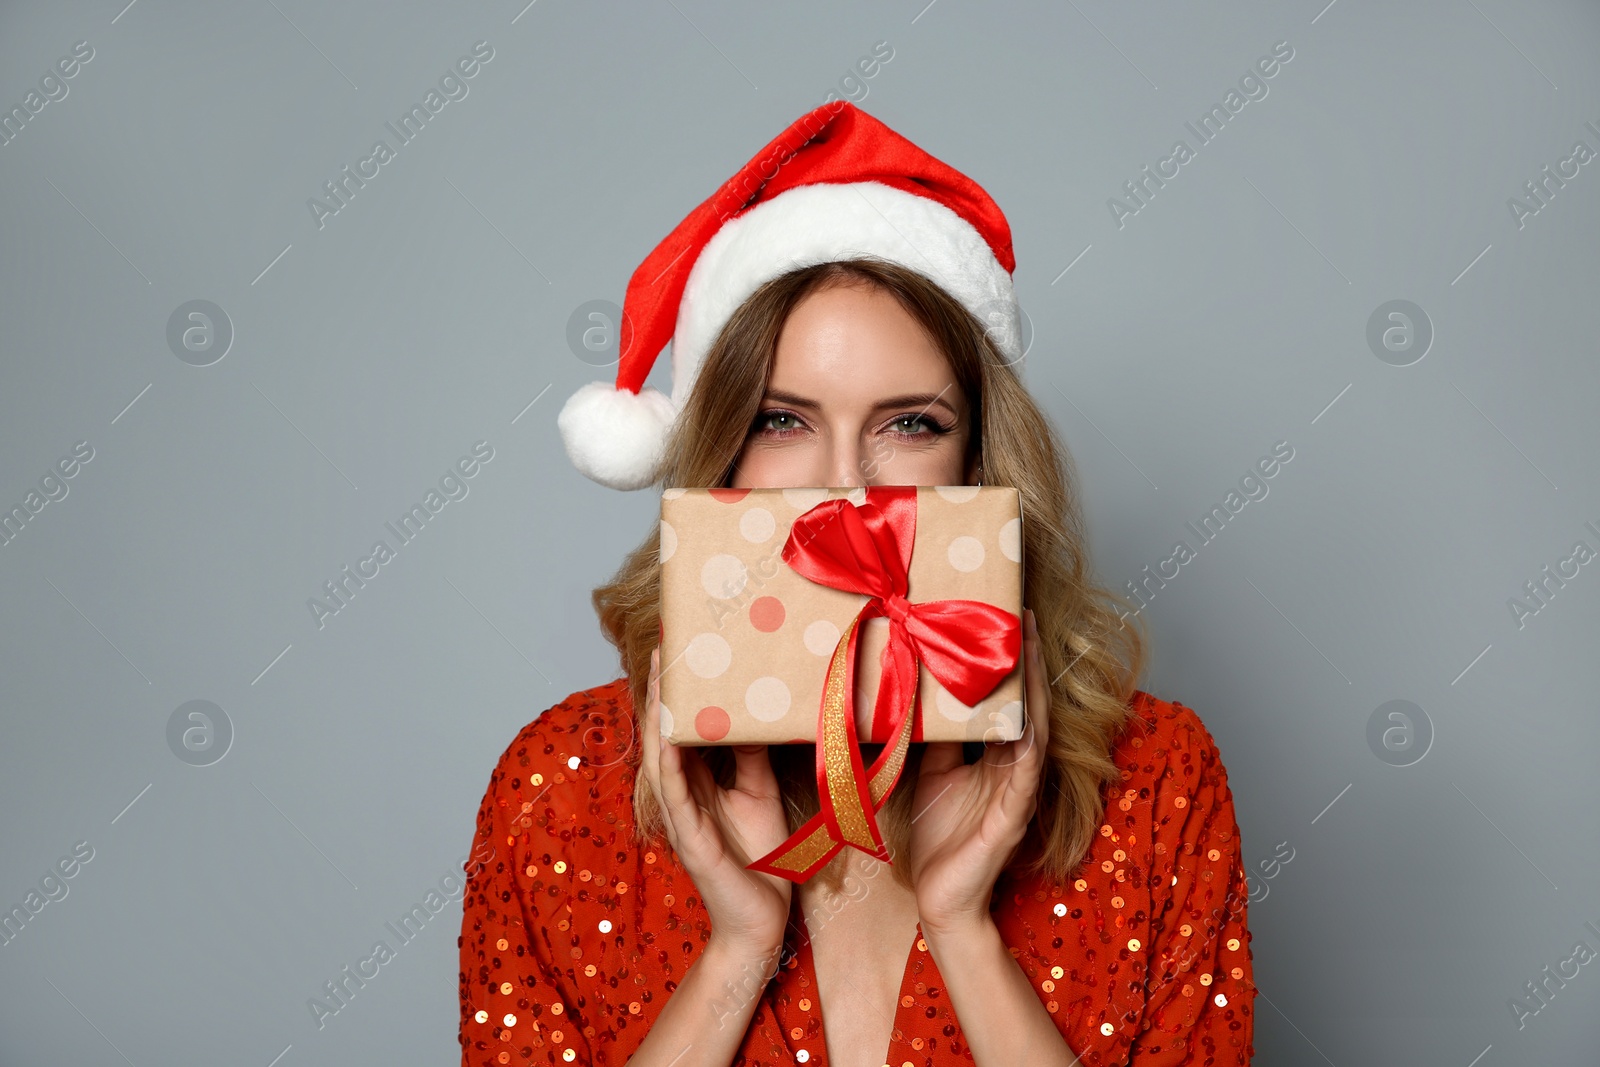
(967, 645)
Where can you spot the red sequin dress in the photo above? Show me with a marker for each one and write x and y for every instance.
(573, 938)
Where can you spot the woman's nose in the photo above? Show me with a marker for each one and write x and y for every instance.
(853, 467)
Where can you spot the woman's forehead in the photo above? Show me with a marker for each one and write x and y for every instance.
(859, 346)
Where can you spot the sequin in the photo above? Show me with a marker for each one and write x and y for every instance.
(1116, 953)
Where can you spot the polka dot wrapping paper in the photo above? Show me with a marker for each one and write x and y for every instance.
(747, 640)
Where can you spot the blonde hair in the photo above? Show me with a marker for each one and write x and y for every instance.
(1091, 638)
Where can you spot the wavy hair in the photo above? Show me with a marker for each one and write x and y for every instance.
(1092, 638)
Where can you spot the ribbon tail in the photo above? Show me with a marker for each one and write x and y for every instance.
(842, 787)
(805, 853)
(810, 848)
(887, 767)
(849, 796)
(840, 775)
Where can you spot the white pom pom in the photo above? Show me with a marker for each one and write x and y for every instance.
(616, 437)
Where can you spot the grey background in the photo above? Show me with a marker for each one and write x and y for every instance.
(430, 313)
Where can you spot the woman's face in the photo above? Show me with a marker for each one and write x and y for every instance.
(858, 395)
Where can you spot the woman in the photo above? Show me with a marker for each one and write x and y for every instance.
(1074, 896)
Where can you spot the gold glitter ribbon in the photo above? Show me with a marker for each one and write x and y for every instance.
(817, 841)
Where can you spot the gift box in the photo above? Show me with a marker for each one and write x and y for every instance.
(761, 589)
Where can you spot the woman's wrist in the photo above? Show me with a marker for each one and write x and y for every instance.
(954, 923)
(728, 956)
(964, 935)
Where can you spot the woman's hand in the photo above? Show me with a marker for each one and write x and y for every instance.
(716, 831)
(971, 818)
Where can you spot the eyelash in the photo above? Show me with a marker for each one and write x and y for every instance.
(934, 427)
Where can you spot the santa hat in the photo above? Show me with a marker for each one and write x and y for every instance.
(835, 185)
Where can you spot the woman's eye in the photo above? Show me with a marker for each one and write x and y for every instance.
(777, 422)
(907, 424)
(784, 423)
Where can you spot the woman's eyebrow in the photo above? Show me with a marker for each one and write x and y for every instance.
(922, 400)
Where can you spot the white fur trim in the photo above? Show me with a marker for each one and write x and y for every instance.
(838, 220)
(616, 437)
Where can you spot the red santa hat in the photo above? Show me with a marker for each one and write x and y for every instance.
(835, 185)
